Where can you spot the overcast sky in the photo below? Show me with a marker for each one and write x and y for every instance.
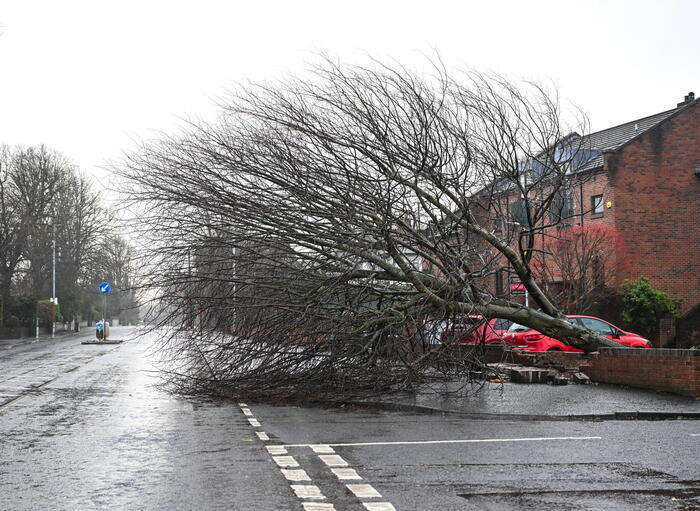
(88, 77)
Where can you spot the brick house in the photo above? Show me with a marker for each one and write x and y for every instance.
(642, 180)
(646, 184)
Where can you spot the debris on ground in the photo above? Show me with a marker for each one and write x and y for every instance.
(555, 375)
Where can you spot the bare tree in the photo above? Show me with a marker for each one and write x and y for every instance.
(44, 196)
(580, 266)
(313, 238)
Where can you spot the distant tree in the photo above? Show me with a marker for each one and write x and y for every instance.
(43, 197)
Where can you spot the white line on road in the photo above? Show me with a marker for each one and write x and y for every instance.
(307, 491)
(262, 436)
(478, 440)
(378, 506)
(285, 461)
(295, 475)
(333, 460)
(276, 450)
(346, 473)
(695, 434)
(254, 423)
(322, 449)
(364, 491)
(318, 506)
(247, 412)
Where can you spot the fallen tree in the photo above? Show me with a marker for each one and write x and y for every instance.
(312, 240)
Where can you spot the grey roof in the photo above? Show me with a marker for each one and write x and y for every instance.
(612, 138)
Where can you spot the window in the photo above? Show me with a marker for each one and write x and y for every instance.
(518, 211)
(561, 207)
(597, 206)
(499, 282)
(597, 326)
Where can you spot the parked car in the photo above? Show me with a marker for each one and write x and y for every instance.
(532, 340)
(475, 329)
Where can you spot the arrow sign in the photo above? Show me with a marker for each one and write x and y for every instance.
(105, 288)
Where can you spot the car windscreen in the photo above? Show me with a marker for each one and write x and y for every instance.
(518, 328)
(502, 324)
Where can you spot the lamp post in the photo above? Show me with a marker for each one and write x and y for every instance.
(53, 277)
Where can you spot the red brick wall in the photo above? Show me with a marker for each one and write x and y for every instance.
(596, 183)
(657, 205)
(676, 371)
(670, 370)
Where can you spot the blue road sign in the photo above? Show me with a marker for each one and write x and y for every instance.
(105, 288)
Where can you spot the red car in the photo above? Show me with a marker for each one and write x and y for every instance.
(532, 340)
(475, 330)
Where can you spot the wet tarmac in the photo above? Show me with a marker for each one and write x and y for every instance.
(84, 427)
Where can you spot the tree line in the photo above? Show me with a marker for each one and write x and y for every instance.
(45, 199)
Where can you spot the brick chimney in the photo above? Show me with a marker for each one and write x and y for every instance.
(688, 99)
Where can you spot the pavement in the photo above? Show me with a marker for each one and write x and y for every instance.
(88, 427)
(23, 341)
(542, 401)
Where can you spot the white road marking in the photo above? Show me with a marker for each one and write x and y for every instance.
(322, 449)
(478, 440)
(333, 460)
(378, 506)
(295, 475)
(254, 423)
(247, 412)
(318, 506)
(345, 473)
(364, 491)
(285, 461)
(262, 436)
(242, 405)
(307, 491)
(276, 449)
(695, 434)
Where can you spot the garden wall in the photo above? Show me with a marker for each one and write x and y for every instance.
(670, 370)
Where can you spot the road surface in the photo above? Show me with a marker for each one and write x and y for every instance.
(86, 427)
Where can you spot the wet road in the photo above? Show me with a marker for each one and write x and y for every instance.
(83, 427)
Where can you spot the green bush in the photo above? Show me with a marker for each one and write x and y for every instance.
(12, 322)
(24, 308)
(643, 307)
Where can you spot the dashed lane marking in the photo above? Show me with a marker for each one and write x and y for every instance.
(276, 450)
(285, 461)
(469, 441)
(307, 491)
(322, 449)
(695, 434)
(378, 506)
(346, 473)
(295, 475)
(292, 472)
(364, 491)
(318, 506)
(333, 460)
